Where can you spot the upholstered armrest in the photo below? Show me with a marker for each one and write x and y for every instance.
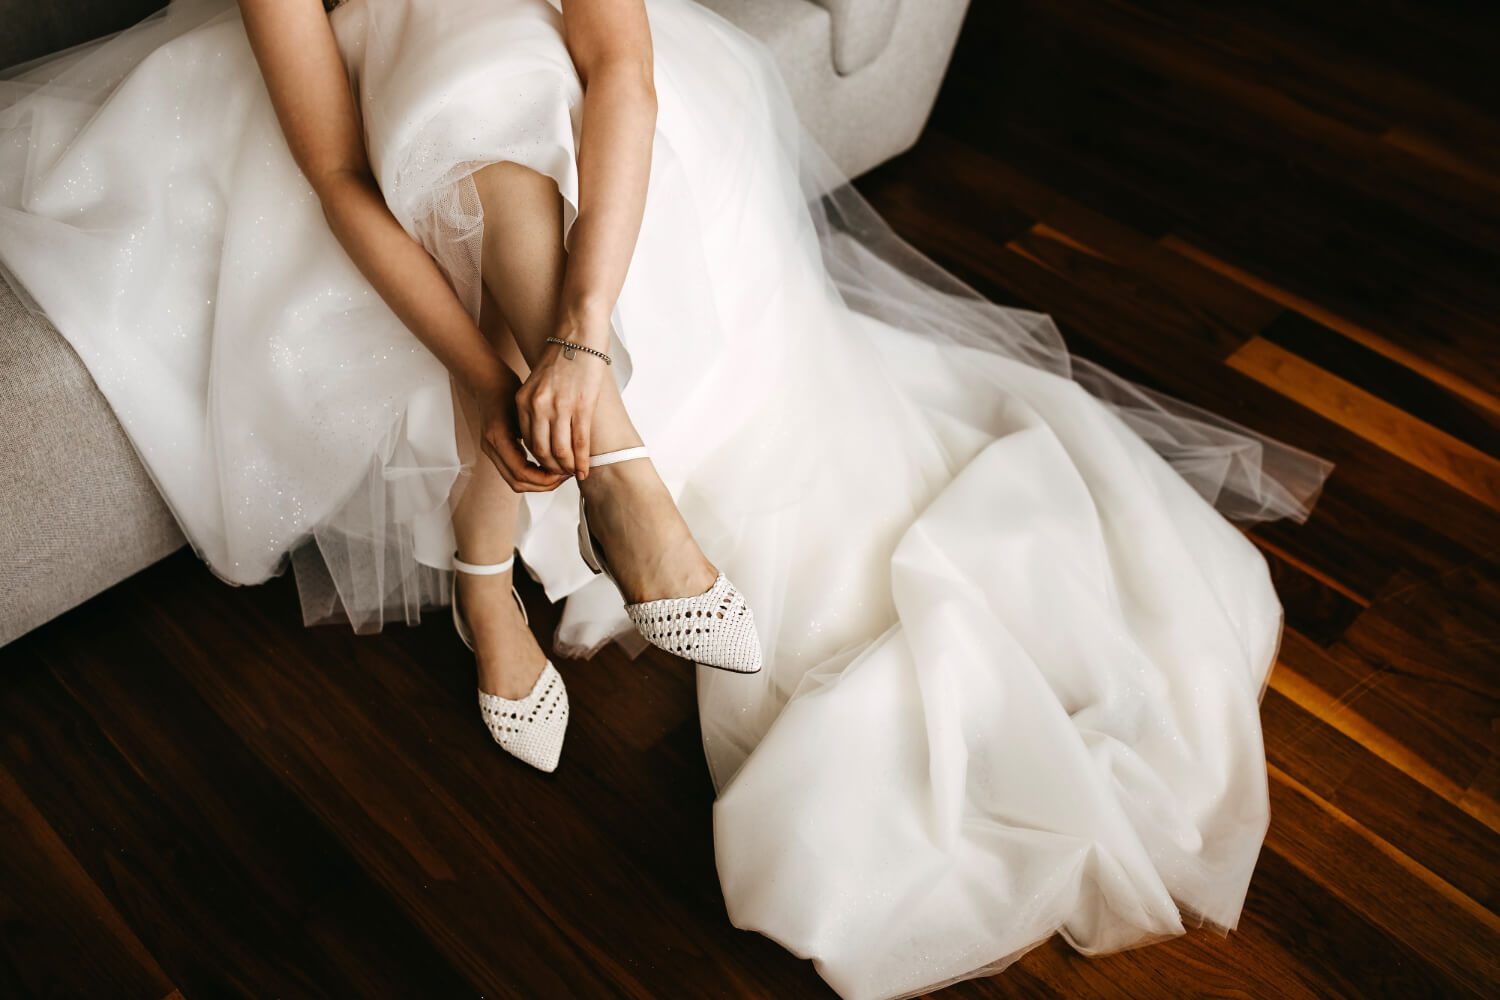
(861, 30)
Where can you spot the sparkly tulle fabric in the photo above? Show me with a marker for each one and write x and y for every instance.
(1014, 647)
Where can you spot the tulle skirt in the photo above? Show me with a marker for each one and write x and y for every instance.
(1014, 645)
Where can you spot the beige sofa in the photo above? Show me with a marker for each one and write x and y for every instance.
(78, 511)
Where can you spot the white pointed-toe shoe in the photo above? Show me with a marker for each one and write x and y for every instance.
(714, 628)
(532, 727)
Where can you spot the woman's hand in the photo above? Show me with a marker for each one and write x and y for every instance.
(500, 438)
(555, 406)
(609, 42)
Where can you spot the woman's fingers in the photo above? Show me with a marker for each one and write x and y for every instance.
(523, 413)
(540, 443)
(554, 412)
(581, 447)
(535, 420)
(519, 474)
(503, 445)
(562, 441)
(502, 466)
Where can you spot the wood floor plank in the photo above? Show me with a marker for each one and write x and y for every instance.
(1314, 605)
(170, 888)
(1460, 465)
(1303, 912)
(1441, 154)
(1385, 886)
(945, 179)
(1435, 641)
(1250, 98)
(62, 936)
(1128, 139)
(1430, 53)
(1448, 376)
(403, 780)
(1389, 511)
(358, 932)
(1482, 798)
(1420, 822)
(1425, 718)
(1330, 73)
(1339, 714)
(1383, 378)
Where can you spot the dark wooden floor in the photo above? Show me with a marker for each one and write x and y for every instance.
(1289, 213)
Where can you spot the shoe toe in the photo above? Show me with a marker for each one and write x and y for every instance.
(715, 628)
(531, 728)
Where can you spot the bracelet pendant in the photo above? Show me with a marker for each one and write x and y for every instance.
(571, 349)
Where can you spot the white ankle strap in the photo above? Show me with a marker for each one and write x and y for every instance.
(639, 451)
(483, 569)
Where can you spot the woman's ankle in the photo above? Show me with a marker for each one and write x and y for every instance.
(485, 600)
(611, 429)
(606, 443)
(508, 655)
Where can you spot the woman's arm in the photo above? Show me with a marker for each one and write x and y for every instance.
(610, 44)
(309, 89)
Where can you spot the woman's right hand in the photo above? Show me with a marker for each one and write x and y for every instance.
(500, 439)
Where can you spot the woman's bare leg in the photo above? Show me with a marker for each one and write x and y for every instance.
(631, 512)
(484, 525)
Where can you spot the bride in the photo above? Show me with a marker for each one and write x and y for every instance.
(406, 292)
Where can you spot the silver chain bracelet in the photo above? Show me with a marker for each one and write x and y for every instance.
(569, 348)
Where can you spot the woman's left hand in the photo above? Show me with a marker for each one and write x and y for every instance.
(555, 408)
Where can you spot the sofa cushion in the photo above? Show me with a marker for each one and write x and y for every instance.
(861, 30)
(865, 117)
(78, 511)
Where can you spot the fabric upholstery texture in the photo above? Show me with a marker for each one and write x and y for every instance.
(866, 116)
(78, 510)
(861, 30)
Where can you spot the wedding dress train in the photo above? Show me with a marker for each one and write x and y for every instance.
(1013, 650)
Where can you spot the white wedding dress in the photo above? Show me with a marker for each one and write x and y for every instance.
(1014, 650)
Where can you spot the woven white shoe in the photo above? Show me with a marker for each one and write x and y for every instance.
(715, 628)
(531, 728)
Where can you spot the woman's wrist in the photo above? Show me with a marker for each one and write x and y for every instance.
(485, 377)
(586, 322)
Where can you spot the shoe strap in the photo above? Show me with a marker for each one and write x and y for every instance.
(639, 451)
(483, 569)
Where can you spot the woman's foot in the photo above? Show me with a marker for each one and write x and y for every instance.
(509, 658)
(710, 625)
(650, 549)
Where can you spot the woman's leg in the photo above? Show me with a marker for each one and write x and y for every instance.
(631, 512)
(484, 526)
